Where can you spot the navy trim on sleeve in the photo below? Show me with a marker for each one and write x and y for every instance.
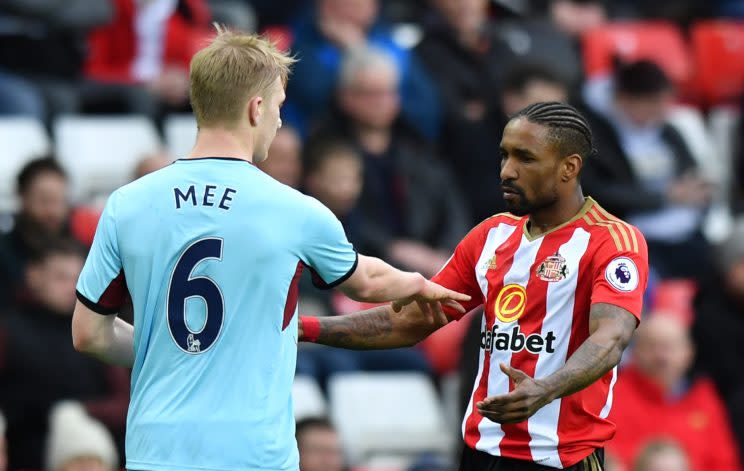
(320, 284)
(95, 307)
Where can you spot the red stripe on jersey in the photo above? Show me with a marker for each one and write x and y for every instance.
(574, 425)
(292, 294)
(516, 436)
(505, 256)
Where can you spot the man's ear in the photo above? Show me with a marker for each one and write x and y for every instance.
(571, 167)
(254, 110)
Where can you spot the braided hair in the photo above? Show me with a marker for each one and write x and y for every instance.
(568, 128)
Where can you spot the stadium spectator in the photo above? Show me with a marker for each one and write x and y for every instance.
(43, 52)
(644, 172)
(319, 445)
(323, 36)
(414, 208)
(150, 163)
(147, 47)
(719, 326)
(42, 188)
(655, 397)
(39, 364)
(335, 175)
(466, 58)
(662, 455)
(77, 442)
(285, 160)
(575, 17)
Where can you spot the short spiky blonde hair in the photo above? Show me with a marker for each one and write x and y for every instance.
(230, 70)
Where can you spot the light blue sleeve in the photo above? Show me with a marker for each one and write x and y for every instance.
(101, 286)
(326, 250)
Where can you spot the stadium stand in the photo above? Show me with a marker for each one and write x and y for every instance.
(100, 153)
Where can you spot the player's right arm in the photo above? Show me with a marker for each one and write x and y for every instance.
(101, 290)
(384, 327)
(334, 263)
(373, 280)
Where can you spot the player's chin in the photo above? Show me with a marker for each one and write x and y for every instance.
(517, 208)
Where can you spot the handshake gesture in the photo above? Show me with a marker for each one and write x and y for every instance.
(430, 299)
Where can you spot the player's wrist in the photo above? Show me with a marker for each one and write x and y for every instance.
(310, 329)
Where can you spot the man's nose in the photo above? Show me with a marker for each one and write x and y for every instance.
(508, 170)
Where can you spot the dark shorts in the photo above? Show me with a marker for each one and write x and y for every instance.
(475, 460)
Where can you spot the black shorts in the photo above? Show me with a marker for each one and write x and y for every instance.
(476, 460)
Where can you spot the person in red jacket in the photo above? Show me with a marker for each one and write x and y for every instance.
(655, 399)
(150, 44)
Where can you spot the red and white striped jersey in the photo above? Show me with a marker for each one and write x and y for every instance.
(537, 293)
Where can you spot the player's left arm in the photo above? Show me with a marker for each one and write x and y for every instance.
(611, 329)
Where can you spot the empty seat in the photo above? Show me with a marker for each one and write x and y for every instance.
(101, 152)
(718, 52)
(659, 41)
(388, 414)
(180, 134)
(21, 139)
(307, 398)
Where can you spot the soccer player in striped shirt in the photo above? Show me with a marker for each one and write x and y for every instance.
(210, 249)
(561, 282)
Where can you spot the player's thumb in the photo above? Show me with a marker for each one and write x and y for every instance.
(516, 375)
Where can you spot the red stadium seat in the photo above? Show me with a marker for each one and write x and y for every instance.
(718, 52)
(659, 41)
(675, 297)
(279, 35)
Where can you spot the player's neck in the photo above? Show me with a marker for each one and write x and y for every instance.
(563, 211)
(212, 142)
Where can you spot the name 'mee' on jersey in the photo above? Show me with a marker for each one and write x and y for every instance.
(211, 251)
(537, 293)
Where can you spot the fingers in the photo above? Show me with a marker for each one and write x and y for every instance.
(439, 316)
(516, 375)
(455, 305)
(437, 292)
(454, 295)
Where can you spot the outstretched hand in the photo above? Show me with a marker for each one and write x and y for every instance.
(528, 396)
(433, 293)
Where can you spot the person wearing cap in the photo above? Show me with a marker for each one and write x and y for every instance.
(77, 442)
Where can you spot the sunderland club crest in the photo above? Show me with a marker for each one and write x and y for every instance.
(553, 268)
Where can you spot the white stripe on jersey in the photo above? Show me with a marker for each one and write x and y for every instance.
(559, 306)
(498, 382)
(496, 236)
(608, 405)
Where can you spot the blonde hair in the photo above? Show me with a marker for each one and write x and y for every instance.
(233, 68)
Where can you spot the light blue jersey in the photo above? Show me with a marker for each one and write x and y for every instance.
(210, 251)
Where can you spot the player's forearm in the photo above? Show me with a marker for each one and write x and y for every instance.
(112, 343)
(593, 359)
(386, 283)
(376, 328)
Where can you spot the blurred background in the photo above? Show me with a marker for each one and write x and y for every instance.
(393, 120)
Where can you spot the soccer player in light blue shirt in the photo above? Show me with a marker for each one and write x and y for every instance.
(210, 250)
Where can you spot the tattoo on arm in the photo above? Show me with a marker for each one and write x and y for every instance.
(361, 330)
(611, 328)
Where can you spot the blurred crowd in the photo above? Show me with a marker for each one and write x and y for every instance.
(393, 120)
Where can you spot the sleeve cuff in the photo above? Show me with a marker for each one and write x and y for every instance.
(320, 284)
(95, 307)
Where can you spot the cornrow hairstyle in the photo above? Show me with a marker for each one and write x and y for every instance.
(568, 128)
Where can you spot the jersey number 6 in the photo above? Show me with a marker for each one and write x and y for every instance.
(183, 286)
